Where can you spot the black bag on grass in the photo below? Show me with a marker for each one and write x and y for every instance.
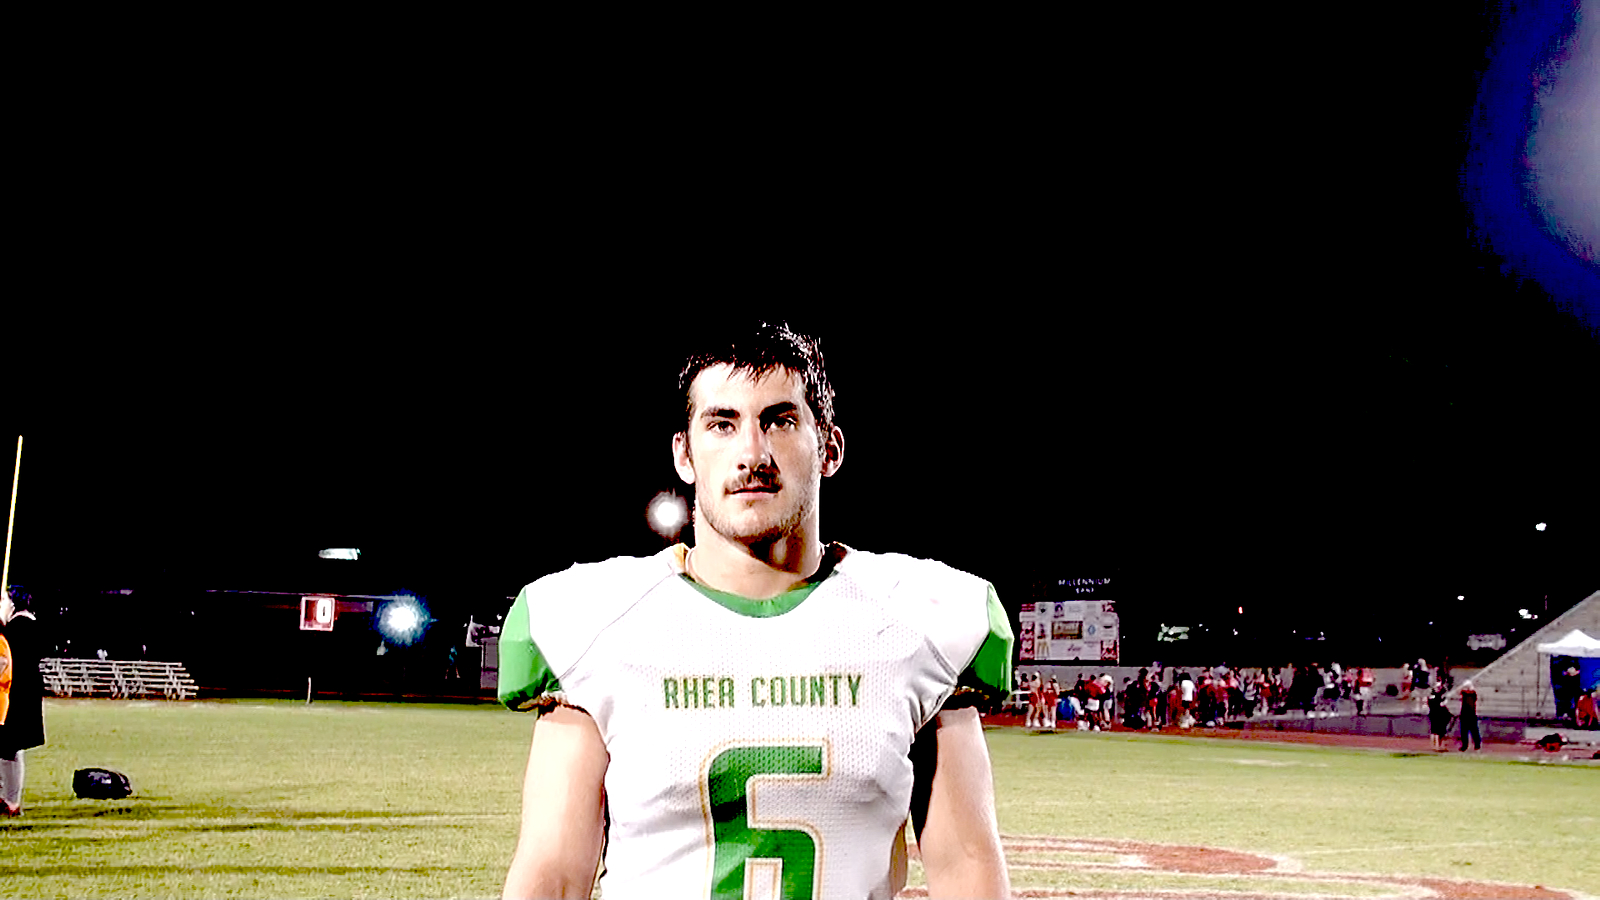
(100, 784)
(1551, 742)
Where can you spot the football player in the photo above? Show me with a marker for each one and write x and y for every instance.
(741, 719)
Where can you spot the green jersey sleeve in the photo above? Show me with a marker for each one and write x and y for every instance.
(990, 670)
(525, 675)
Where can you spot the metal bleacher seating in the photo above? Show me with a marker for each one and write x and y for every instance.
(117, 678)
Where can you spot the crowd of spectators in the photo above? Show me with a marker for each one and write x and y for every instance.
(1574, 704)
(1184, 697)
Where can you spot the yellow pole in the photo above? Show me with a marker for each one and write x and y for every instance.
(5, 570)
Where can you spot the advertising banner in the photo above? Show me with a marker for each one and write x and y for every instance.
(1069, 631)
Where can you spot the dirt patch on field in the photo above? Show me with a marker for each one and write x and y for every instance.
(1249, 876)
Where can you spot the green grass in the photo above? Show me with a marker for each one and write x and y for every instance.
(271, 799)
(381, 800)
(1335, 810)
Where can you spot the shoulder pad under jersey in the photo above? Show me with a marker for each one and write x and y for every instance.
(555, 620)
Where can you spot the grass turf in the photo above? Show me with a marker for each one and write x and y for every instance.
(274, 799)
(1336, 810)
(381, 800)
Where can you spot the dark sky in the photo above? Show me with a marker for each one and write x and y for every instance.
(1264, 468)
(1213, 317)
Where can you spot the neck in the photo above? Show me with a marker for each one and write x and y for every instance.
(759, 570)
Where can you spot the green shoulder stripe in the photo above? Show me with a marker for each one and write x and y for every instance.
(525, 675)
(990, 671)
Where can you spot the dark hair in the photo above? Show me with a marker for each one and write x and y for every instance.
(756, 350)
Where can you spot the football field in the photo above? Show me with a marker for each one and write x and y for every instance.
(281, 799)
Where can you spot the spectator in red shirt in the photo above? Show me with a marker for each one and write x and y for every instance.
(1586, 713)
(1364, 681)
(1052, 696)
(1035, 703)
(1093, 690)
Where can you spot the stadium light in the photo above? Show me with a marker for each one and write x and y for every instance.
(403, 619)
(340, 553)
(1539, 527)
(667, 514)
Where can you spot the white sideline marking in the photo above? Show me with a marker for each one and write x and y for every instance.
(1542, 839)
(1271, 763)
(266, 820)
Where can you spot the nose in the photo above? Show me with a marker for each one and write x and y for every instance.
(755, 449)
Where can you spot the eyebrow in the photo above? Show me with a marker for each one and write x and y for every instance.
(723, 412)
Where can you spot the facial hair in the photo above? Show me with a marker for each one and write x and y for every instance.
(770, 527)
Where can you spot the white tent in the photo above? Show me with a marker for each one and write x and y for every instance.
(1576, 643)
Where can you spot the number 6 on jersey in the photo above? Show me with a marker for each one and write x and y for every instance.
(751, 862)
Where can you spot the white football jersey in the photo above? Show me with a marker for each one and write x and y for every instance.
(757, 748)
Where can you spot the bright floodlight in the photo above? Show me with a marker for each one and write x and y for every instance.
(667, 514)
(1539, 527)
(1461, 597)
(403, 619)
(340, 553)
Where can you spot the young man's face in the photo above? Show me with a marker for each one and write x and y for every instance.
(752, 453)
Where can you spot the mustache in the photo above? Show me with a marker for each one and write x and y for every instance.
(758, 482)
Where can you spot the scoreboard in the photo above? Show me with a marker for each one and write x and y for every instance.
(316, 613)
(1085, 628)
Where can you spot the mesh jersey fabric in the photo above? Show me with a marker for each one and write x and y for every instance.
(759, 751)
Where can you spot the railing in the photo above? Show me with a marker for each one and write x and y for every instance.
(117, 678)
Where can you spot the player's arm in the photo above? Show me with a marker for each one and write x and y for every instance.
(563, 809)
(952, 805)
(960, 837)
(563, 794)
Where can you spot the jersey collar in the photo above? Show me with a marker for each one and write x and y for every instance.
(678, 557)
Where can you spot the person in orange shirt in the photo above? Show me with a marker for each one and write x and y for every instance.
(24, 720)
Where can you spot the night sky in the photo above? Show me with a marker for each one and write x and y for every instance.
(1223, 327)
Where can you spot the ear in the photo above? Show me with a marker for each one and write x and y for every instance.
(833, 452)
(680, 457)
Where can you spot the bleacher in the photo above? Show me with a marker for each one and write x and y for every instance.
(117, 678)
(1517, 685)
